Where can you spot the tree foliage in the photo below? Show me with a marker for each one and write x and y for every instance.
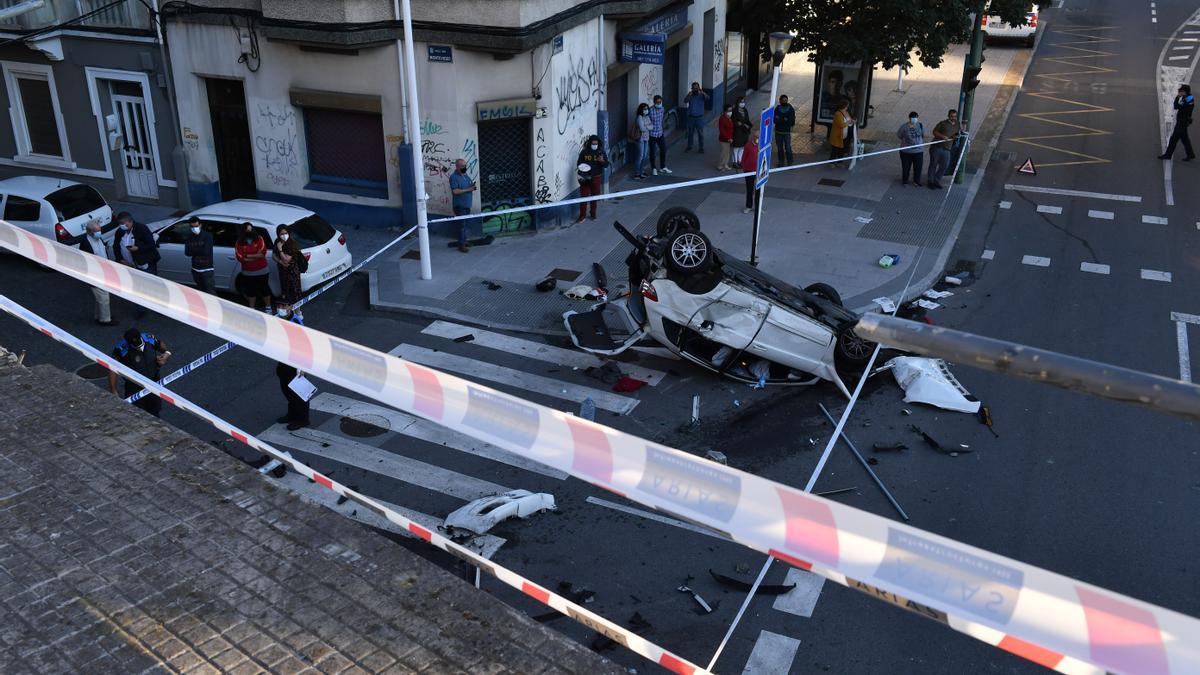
(884, 31)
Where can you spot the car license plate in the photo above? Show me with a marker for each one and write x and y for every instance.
(334, 272)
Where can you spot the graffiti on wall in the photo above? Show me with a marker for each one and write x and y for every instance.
(276, 144)
(651, 84)
(470, 153)
(718, 57)
(506, 222)
(541, 193)
(437, 162)
(579, 87)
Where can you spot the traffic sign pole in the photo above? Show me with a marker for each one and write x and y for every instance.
(766, 135)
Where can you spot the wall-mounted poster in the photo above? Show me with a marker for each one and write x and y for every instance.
(838, 82)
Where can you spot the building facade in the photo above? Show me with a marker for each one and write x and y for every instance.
(87, 96)
(304, 101)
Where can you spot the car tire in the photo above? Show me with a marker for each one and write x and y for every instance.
(688, 253)
(852, 350)
(825, 291)
(675, 219)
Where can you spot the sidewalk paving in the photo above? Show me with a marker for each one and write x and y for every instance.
(809, 232)
(127, 546)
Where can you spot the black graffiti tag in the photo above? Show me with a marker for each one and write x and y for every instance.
(579, 86)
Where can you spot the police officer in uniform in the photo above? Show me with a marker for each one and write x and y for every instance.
(144, 353)
(1185, 104)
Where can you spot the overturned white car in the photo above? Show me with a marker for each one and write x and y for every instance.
(721, 313)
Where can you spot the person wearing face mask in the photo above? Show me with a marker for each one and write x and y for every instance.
(741, 130)
(462, 190)
(592, 163)
(297, 406)
(695, 100)
(94, 243)
(641, 125)
(199, 248)
(145, 354)
(725, 137)
(138, 249)
(658, 139)
(251, 254)
(290, 260)
(785, 119)
(912, 156)
(750, 163)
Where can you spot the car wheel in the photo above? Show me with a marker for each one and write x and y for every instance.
(677, 219)
(852, 349)
(689, 253)
(825, 291)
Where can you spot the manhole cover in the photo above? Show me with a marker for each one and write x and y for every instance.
(831, 182)
(564, 274)
(365, 426)
(92, 371)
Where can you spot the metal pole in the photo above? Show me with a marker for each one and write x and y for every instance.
(400, 71)
(414, 128)
(178, 153)
(900, 79)
(967, 98)
(602, 104)
(864, 463)
(762, 191)
(1162, 394)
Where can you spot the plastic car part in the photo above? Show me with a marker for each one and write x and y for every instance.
(483, 514)
(930, 381)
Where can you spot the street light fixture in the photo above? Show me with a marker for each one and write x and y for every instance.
(779, 43)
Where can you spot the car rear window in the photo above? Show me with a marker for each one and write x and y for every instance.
(311, 231)
(20, 208)
(74, 201)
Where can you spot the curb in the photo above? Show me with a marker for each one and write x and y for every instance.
(918, 287)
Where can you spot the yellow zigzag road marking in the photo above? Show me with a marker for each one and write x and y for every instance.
(1084, 108)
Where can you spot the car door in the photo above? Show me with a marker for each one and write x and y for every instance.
(733, 319)
(173, 263)
(225, 264)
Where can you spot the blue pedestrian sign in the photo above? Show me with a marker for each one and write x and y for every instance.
(764, 166)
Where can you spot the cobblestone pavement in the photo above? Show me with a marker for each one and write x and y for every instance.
(127, 546)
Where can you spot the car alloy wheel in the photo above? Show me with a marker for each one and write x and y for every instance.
(689, 250)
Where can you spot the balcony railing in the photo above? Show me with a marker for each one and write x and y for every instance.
(79, 14)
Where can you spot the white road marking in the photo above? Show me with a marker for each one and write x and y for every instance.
(1186, 318)
(1155, 275)
(988, 254)
(377, 460)
(605, 400)
(1006, 205)
(648, 515)
(1042, 208)
(802, 599)
(1073, 193)
(1185, 358)
(1036, 261)
(1102, 215)
(1169, 182)
(1181, 57)
(537, 351)
(1095, 268)
(485, 545)
(1182, 48)
(415, 427)
(1154, 220)
(772, 654)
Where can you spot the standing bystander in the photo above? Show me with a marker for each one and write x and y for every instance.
(725, 137)
(132, 352)
(750, 163)
(1184, 105)
(291, 264)
(297, 406)
(461, 190)
(785, 119)
(839, 131)
(640, 134)
(199, 247)
(591, 165)
(695, 100)
(911, 135)
(658, 118)
(944, 135)
(139, 242)
(254, 280)
(94, 243)
(741, 130)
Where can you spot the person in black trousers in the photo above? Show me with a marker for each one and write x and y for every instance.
(1185, 104)
(297, 407)
(199, 247)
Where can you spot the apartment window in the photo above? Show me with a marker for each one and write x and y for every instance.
(36, 115)
(346, 151)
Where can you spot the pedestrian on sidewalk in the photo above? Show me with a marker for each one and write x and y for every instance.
(291, 264)
(254, 280)
(911, 135)
(1184, 104)
(138, 242)
(944, 135)
(741, 130)
(695, 100)
(132, 352)
(750, 163)
(785, 119)
(462, 189)
(725, 137)
(658, 138)
(297, 406)
(199, 248)
(640, 133)
(839, 131)
(94, 243)
(592, 163)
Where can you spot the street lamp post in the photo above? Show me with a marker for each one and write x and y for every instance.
(780, 42)
(414, 132)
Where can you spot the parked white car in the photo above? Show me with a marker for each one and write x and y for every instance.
(54, 208)
(721, 313)
(995, 28)
(322, 244)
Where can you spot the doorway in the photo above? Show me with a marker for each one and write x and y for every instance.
(137, 148)
(231, 138)
(505, 174)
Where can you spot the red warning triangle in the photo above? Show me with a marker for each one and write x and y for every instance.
(1027, 167)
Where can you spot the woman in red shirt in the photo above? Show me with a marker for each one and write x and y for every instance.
(251, 252)
(750, 163)
(725, 137)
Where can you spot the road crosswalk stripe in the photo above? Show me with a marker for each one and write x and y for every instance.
(1155, 275)
(536, 350)
(1102, 215)
(1042, 208)
(802, 599)
(988, 254)
(485, 545)
(415, 427)
(1006, 204)
(773, 654)
(1036, 261)
(1095, 268)
(380, 461)
(1154, 220)
(604, 400)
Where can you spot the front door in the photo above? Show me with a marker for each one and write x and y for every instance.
(231, 138)
(137, 148)
(505, 174)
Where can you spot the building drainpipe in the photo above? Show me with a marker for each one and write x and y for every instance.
(602, 104)
(178, 154)
(414, 128)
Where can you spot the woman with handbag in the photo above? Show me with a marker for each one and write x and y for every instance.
(741, 131)
(291, 264)
(839, 131)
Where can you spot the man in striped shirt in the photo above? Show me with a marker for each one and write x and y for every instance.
(657, 138)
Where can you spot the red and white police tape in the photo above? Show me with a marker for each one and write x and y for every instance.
(1049, 618)
(615, 632)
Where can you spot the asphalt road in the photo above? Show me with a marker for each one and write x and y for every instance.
(1091, 489)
